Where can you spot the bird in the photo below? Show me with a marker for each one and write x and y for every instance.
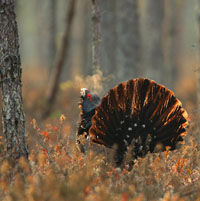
(88, 103)
(135, 116)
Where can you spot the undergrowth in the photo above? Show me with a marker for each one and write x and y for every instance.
(56, 170)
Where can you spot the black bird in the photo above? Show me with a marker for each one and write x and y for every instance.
(138, 113)
(88, 103)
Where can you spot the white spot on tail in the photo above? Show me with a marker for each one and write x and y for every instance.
(121, 122)
(140, 148)
(130, 129)
(125, 142)
(143, 125)
(135, 125)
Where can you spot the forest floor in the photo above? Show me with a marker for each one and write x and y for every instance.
(58, 171)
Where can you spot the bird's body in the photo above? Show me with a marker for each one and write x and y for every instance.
(88, 104)
(138, 113)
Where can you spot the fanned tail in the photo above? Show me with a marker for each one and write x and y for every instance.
(140, 113)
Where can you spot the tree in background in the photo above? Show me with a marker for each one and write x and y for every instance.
(62, 57)
(86, 38)
(96, 35)
(128, 39)
(12, 112)
(198, 70)
(52, 33)
(159, 32)
(109, 36)
(121, 40)
(154, 47)
(171, 40)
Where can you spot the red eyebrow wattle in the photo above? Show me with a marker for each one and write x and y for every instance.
(89, 96)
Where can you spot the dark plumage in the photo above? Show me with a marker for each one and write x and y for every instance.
(88, 103)
(138, 113)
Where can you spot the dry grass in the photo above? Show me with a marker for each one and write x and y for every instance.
(56, 170)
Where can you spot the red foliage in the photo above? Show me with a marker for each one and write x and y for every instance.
(58, 149)
(46, 134)
(44, 151)
(124, 197)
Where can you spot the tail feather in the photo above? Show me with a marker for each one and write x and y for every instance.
(134, 110)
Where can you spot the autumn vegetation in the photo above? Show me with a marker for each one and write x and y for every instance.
(56, 169)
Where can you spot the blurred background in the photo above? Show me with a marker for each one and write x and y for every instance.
(157, 39)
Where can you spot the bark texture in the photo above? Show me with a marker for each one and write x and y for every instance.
(10, 71)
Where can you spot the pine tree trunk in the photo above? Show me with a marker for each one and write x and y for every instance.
(86, 41)
(171, 41)
(128, 39)
(12, 113)
(96, 35)
(109, 36)
(198, 73)
(154, 49)
(52, 34)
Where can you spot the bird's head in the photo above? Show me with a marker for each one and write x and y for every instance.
(88, 101)
(85, 93)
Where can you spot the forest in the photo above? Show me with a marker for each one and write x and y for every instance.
(76, 74)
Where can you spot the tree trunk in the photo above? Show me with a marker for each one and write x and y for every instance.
(154, 49)
(171, 41)
(109, 36)
(198, 72)
(86, 41)
(62, 57)
(10, 71)
(96, 35)
(52, 34)
(128, 39)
